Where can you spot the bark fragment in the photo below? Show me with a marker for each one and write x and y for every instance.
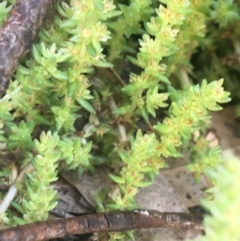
(17, 35)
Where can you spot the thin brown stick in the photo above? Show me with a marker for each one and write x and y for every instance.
(105, 222)
(17, 35)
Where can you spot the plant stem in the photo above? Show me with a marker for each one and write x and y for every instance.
(121, 128)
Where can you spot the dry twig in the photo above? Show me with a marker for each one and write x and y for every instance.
(104, 222)
(12, 192)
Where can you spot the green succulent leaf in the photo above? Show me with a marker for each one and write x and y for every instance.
(116, 179)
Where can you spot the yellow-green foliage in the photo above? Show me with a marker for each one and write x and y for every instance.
(224, 207)
(174, 43)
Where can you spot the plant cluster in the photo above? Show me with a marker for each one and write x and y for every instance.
(60, 113)
(222, 224)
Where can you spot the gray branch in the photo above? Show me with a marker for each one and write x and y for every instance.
(17, 35)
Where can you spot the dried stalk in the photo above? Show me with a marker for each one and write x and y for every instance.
(12, 192)
(17, 35)
(104, 222)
